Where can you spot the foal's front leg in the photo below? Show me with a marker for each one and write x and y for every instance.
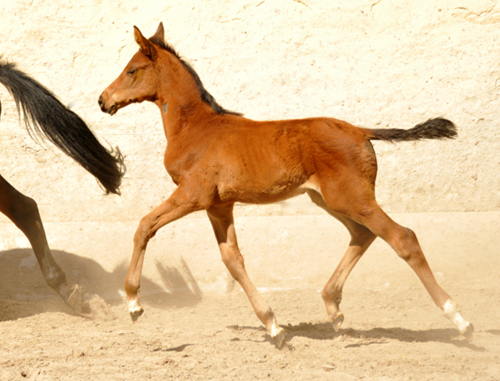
(222, 221)
(178, 205)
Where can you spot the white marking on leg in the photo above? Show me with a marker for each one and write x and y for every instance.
(276, 330)
(452, 312)
(134, 306)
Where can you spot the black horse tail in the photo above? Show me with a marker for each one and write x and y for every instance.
(47, 118)
(437, 128)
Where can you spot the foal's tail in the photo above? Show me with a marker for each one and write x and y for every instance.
(47, 118)
(437, 128)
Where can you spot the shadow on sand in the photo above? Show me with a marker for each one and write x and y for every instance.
(23, 291)
(374, 336)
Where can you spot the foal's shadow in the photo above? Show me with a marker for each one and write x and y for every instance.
(23, 291)
(374, 336)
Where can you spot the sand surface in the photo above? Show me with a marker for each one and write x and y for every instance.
(392, 331)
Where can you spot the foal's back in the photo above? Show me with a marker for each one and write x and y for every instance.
(262, 162)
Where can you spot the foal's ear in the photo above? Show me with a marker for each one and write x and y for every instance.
(159, 34)
(146, 46)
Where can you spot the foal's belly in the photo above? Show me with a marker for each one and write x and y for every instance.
(255, 193)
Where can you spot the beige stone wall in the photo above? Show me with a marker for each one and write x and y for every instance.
(372, 63)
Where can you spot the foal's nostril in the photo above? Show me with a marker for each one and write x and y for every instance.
(109, 109)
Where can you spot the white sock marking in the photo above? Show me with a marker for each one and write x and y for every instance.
(452, 312)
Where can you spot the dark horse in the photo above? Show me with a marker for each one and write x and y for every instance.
(217, 157)
(47, 118)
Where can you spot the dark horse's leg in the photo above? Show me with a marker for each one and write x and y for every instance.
(23, 211)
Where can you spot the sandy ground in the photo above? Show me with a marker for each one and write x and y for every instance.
(392, 331)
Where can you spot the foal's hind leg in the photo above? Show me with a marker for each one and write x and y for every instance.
(361, 239)
(222, 221)
(23, 211)
(406, 245)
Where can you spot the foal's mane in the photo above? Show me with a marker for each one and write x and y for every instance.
(205, 95)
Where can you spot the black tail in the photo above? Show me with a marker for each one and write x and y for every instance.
(432, 129)
(47, 118)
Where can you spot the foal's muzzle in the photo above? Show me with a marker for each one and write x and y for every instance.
(111, 110)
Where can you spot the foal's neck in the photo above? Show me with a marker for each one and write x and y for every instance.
(178, 96)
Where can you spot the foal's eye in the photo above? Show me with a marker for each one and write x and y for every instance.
(132, 71)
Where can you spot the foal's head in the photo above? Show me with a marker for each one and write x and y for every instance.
(139, 80)
(156, 71)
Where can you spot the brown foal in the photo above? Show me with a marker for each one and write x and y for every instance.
(217, 157)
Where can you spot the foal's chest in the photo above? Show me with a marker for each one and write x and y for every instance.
(179, 161)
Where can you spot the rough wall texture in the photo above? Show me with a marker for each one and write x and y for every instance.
(373, 63)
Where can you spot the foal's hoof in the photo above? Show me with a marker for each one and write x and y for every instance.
(337, 321)
(469, 332)
(278, 335)
(280, 339)
(134, 315)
